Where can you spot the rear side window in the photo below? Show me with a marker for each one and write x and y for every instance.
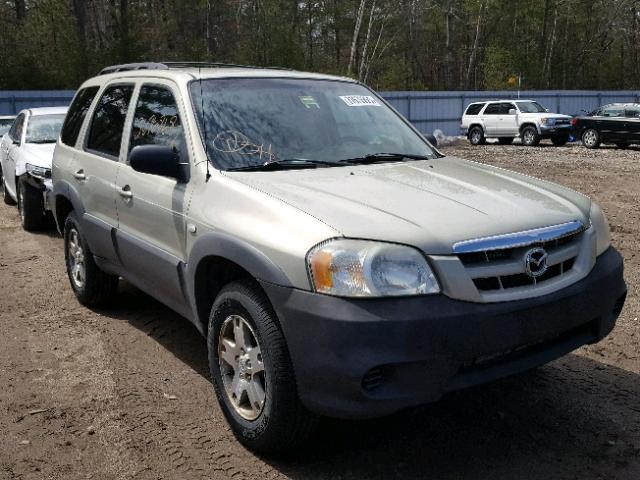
(157, 121)
(474, 108)
(105, 134)
(75, 116)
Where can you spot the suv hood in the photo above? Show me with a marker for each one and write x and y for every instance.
(430, 204)
(40, 154)
(545, 115)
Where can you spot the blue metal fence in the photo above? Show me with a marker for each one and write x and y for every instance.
(426, 110)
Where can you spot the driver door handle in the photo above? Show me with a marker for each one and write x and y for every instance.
(79, 175)
(125, 192)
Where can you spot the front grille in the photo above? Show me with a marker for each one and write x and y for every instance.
(563, 121)
(372, 379)
(504, 269)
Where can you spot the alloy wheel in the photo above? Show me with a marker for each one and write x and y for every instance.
(77, 266)
(528, 137)
(241, 367)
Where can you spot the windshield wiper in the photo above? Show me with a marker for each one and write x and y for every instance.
(384, 157)
(284, 163)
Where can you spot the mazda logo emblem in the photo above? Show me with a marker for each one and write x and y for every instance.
(535, 262)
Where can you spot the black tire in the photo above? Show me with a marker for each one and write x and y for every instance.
(530, 136)
(559, 141)
(591, 138)
(283, 422)
(476, 136)
(505, 140)
(97, 287)
(31, 207)
(622, 145)
(6, 198)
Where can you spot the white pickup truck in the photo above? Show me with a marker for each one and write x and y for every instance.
(508, 119)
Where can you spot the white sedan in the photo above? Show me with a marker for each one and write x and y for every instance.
(26, 153)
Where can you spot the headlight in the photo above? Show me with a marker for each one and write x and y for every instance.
(359, 268)
(39, 172)
(601, 226)
(547, 121)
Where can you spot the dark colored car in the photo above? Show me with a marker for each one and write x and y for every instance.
(617, 123)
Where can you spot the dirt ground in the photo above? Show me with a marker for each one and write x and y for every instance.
(124, 392)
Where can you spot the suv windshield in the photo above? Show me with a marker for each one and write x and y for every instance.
(44, 128)
(251, 121)
(531, 107)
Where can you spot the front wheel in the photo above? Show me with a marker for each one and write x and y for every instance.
(252, 372)
(31, 207)
(591, 138)
(530, 137)
(92, 286)
(6, 198)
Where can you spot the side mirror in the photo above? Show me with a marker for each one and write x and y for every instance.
(16, 141)
(512, 111)
(158, 160)
(546, 110)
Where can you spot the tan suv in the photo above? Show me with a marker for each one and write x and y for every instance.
(335, 261)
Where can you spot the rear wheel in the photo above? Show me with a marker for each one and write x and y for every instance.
(31, 207)
(505, 141)
(252, 372)
(591, 138)
(530, 136)
(476, 136)
(92, 286)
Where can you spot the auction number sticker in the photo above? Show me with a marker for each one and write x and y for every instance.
(360, 101)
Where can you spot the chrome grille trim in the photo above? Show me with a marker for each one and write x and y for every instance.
(520, 239)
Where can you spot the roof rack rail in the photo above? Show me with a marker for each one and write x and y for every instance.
(126, 67)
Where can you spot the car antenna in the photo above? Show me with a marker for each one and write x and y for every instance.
(204, 126)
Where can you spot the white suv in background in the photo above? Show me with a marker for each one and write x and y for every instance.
(507, 119)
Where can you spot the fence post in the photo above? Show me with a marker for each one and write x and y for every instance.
(409, 109)
(13, 105)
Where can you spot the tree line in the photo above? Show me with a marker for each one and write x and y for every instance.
(390, 45)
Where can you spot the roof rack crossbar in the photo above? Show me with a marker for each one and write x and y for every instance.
(126, 67)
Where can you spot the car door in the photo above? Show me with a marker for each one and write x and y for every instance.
(95, 170)
(10, 154)
(491, 117)
(508, 121)
(613, 123)
(151, 235)
(632, 114)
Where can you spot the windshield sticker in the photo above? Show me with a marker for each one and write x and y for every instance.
(360, 101)
(309, 102)
(232, 141)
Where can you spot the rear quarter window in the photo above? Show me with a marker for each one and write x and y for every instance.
(77, 113)
(474, 108)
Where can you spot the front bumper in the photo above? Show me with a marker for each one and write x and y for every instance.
(555, 131)
(368, 358)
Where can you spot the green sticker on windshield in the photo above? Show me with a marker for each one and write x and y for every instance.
(309, 102)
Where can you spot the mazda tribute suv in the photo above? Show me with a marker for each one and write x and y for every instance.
(337, 263)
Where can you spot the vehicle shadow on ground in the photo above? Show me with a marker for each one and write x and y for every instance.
(574, 418)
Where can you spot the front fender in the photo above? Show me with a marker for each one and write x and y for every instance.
(64, 189)
(233, 249)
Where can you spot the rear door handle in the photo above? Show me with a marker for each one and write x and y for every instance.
(79, 175)
(125, 192)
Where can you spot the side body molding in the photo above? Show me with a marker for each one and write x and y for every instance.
(228, 247)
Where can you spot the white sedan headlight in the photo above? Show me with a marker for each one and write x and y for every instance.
(601, 226)
(37, 171)
(359, 268)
